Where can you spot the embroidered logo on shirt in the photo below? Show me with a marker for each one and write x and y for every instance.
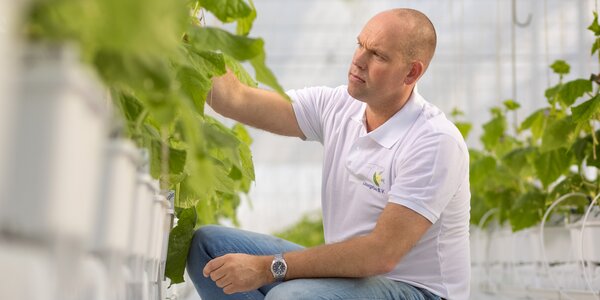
(377, 182)
(377, 178)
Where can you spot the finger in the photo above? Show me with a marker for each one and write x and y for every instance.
(219, 273)
(223, 282)
(212, 265)
(230, 289)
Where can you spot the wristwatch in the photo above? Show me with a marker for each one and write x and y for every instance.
(278, 267)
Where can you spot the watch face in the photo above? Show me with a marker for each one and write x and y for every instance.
(279, 268)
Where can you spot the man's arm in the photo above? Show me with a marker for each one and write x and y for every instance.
(258, 108)
(397, 231)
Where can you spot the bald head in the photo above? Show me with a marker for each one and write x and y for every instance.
(416, 34)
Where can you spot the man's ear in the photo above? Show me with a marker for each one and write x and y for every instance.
(415, 72)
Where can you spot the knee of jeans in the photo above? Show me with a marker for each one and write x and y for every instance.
(290, 291)
(201, 239)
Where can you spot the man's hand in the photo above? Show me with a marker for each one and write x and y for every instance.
(258, 108)
(237, 272)
(224, 89)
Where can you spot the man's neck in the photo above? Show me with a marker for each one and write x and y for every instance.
(376, 116)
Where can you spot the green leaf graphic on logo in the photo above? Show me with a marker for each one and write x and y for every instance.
(377, 178)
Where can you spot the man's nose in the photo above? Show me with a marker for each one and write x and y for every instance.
(359, 59)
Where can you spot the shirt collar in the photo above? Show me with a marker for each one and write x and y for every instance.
(398, 125)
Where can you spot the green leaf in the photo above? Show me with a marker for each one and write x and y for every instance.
(241, 133)
(247, 166)
(482, 169)
(506, 143)
(560, 67)
(240, 48)
(572, 90)
(208, 62)
(150, 77)
(517, 161)
(195, 74)
(245, 24)
(213, 39)
(535, 122)
(511, 104)
(264, 74)
(591, 161)
(595, 46)
(129, 106)
(163, 111)
(188, 131)
(195, 85)
(550, 165)
(207, 211)
(308, 232)
(595, 27)
(503, 199)
(493, 131)
(221, 205)
(464, 128)
(239, 72)
(218, 135)
(580, 147)
(176, 162)
(478, 208)
(570, 184)
(200, 183)
(527, 210)
(114, 25)
(228, 203)
(552, 92)
(180, 240)
(456, 112)
(475, 155)
(583, 149)
(227, 10)
(558, 134)
(235, 174)
(504, 179)
(223, 183)
(587, 110)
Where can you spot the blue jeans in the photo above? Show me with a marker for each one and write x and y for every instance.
(213, 241)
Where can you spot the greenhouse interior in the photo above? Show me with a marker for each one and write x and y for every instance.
(112, 159)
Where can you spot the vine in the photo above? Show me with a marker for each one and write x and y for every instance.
(519, 175)
(157, 59)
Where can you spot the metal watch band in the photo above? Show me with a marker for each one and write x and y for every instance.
(278, 267)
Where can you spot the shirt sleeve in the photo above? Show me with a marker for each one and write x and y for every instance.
(429, 176)
(310, 107)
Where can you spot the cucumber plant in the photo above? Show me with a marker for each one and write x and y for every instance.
(520, 172)
(157, 59)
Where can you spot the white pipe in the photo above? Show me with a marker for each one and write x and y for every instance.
(10, 12)
(586, 276)
(482, 221)
(542, 243)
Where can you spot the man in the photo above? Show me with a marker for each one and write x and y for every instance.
(395, 190)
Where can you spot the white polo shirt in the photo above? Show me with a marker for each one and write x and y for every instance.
(417, 159)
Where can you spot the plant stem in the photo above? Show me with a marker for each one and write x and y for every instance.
(139, 121)
(164, 158)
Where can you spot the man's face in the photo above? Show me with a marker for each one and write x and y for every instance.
(378, 67)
